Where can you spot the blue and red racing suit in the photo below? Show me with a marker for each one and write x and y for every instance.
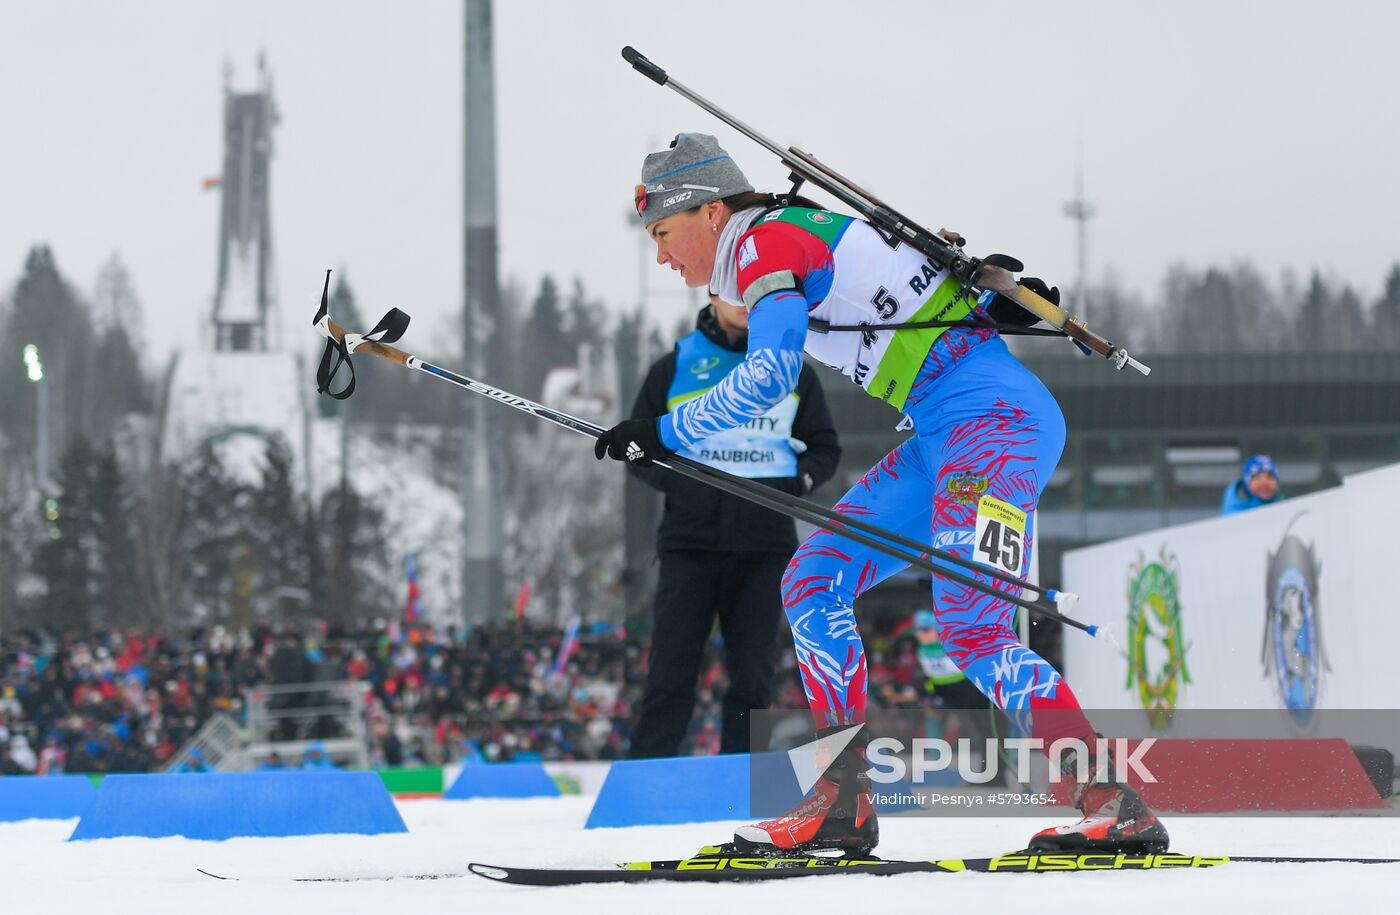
(987, 437)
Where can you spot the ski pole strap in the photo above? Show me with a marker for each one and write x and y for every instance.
(340, 343)
(389, 329)
(333, 357)
(338, 349)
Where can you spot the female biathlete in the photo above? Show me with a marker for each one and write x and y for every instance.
(987, 437)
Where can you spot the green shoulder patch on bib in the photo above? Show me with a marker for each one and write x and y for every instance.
(825, 225)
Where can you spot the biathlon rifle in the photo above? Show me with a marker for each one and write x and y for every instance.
(946, 254)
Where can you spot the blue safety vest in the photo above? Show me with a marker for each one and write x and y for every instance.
(761, 447)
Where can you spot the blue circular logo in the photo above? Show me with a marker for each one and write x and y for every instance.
(1293, 652)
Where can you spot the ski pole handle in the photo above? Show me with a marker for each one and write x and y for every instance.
(357, 342)
(639, 62)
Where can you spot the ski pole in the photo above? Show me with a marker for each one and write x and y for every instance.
(837, 523)
(392, 326)
(967, 269)
(1063, 600)
(375, 341)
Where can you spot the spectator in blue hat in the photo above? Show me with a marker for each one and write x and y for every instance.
(272, 763)
(1257, 485)
(195, 762)
(316, 757)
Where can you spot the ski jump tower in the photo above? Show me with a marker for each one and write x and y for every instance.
(245, 294)
(239, 387)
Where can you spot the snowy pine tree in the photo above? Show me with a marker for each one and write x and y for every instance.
(1217, 311)
(545, 344)
(1119, 314)
(119, 601)
(120, 386)
(45, 310)
(1385, 314)
(564, 527)
(277, 522)
(212, 537)
(158, 526)
(1310, 320)
(23, 529)
(354, 547)
(1346, 326)
(67, 562)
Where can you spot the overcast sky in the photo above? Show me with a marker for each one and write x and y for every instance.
(1210, 131)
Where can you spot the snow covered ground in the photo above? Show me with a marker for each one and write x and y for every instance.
(42, 873)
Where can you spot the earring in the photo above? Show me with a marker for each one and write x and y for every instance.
(714, 229)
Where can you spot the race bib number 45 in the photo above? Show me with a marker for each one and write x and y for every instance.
(1001, 535)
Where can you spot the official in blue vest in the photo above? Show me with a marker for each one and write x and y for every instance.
(722, 556)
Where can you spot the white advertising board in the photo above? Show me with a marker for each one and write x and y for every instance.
(1290, 607)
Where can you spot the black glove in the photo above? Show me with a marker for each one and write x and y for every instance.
(1005, 310)
(637, 441)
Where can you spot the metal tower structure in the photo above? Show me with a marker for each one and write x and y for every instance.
(483, 591)
(244, 315)
(1081, 211)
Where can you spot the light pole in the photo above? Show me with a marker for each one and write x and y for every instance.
(36, 375)
(1081, 211)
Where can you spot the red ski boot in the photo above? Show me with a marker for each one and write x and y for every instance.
(838, 814)
(1116, 820)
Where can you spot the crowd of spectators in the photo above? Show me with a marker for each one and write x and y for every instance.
(109, 701)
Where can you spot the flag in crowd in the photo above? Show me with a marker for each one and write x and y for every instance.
(410, 613)
(566, 647)
(522, 598)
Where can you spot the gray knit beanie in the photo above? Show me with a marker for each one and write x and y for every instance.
(693, 171)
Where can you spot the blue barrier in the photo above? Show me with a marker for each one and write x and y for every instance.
(225, 805)
(512, 779)
(44, 797)
(739, 786)
(694, 789)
